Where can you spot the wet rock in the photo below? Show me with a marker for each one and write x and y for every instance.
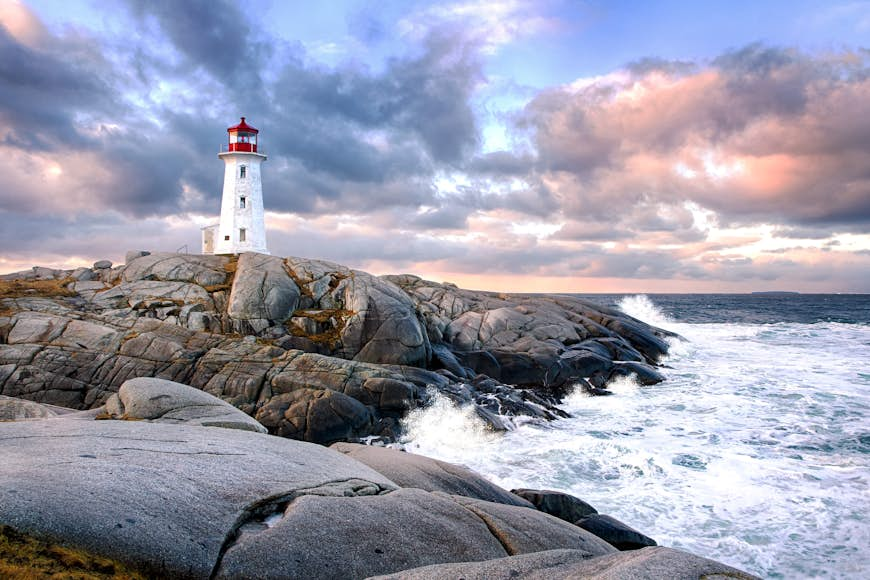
(522, 530)
(614, 532)
(556, 503)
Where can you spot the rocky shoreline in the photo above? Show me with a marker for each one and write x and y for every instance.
(168, 418)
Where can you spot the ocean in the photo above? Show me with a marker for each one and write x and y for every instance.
(754, 452)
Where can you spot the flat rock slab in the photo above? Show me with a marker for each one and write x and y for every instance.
(646, 564)
(410, 470)
(202, 270)
(163, 498)
(163, 401)
(12, 409)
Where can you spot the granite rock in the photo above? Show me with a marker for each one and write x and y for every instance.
(164, 498)
(162, 401)
(410, 470)
(646, 564)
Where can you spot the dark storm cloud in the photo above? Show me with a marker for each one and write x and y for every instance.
(502, 164)
(41, 90)
(347, 140)
(447, 217)
(361, 126)
(213, 33)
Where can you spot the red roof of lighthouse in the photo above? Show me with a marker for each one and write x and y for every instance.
(242, 127)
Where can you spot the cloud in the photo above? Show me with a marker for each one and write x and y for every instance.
(134, 126)
(215, 34)
(491, 23)
(662, 170)
(758, 135)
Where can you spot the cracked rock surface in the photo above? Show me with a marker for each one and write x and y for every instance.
(192, 502)
(311, 349)
(164, 498)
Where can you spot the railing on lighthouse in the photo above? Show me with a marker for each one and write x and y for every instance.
(241, 137)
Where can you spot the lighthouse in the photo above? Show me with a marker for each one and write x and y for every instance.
(242, 226)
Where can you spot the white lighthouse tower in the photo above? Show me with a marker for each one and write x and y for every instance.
(242, 227)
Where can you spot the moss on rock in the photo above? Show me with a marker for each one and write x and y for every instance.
(23, 557)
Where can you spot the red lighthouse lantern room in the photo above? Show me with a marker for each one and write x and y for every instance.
(243, 137)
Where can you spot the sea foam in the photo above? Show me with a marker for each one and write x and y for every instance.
(754, 452)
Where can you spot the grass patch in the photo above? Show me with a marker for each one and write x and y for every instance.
(35, 288)
(25, 558)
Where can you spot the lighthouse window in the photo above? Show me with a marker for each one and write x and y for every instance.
(243, 171)
(242, 201)
(241, 234)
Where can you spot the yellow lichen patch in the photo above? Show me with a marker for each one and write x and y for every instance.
(35, 288)
(25, 558)
(330, 337)
(324, 315)
(217, 287)
(300, 283)
(232, 265)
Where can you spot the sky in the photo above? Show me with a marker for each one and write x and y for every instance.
(509, 145)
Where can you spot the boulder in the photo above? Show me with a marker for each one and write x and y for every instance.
(166, 499)
(614, 532)
(522, 530)
(262, 290)
(141, 294)
(556, 503)
(83, 274)
(319, 415)
(88, 288)
(375, 321)
(356, 537)
(410, 470)
(194, 268)
(645, 564)
(162, 401)
(102, 265)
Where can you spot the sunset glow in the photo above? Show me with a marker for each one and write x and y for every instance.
(509, 145)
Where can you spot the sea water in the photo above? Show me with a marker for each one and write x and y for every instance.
(754, 452)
